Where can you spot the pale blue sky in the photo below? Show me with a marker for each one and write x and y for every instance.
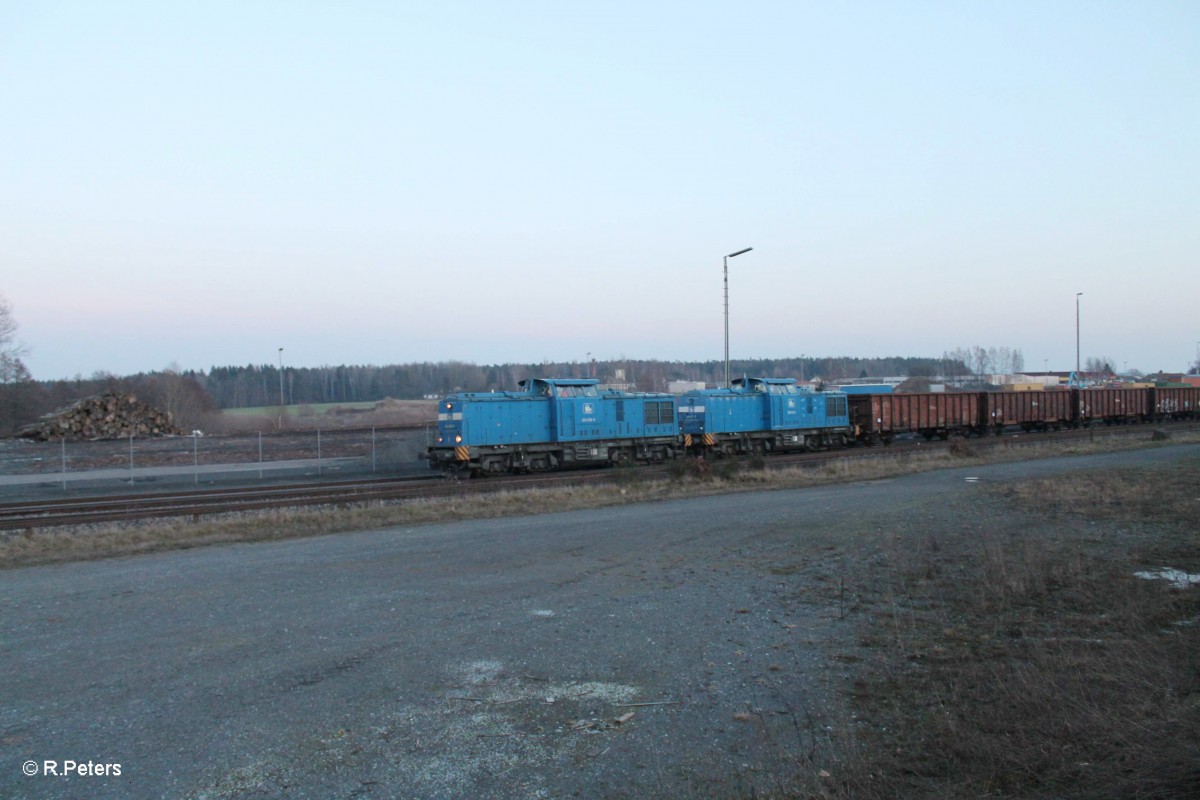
(381, 182)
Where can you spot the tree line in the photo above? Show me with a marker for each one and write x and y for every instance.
(260, 385)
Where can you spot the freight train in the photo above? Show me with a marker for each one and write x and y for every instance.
(561, 423)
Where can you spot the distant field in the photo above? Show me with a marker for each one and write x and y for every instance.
(382, 413)
(305, 408)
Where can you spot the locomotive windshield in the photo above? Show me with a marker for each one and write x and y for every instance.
(577, 391)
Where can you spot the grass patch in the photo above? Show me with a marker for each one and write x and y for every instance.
(327, 416)
(1020, 655)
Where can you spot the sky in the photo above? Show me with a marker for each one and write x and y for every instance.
(188, 185)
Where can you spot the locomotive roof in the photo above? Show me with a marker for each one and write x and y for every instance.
(752, 381)
(562, 381)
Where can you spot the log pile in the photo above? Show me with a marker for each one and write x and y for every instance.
(111, 415)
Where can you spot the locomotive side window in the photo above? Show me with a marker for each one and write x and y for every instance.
(620, 411)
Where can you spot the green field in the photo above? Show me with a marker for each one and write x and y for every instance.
(305, 409)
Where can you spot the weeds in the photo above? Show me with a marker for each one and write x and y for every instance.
(961, 448)
(1024, 659)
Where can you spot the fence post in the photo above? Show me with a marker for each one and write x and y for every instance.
(196, 457)
(64, 461)
(260, 463)
(131, 459)
(372, 448)
(318, 451)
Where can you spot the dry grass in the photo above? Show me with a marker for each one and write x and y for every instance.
(1025, 659)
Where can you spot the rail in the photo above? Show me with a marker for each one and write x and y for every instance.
(32, 514)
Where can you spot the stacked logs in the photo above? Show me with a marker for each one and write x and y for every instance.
(111, 415)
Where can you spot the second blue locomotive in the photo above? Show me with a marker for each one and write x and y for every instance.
(762, 415)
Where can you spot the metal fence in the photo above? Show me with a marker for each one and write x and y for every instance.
(200, 459)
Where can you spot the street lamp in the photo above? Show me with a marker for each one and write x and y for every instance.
(1077, 296)
(281, 403)
(726, 270)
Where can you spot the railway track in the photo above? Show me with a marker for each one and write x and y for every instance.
(108, 508)
(27, 515)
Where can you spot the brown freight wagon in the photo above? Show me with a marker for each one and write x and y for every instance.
(1031, 410)
(880, 417)
(1113, 406)
(1177, 402)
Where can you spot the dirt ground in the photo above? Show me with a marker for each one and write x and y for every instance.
(981, 631)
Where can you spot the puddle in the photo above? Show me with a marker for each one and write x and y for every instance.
(1178, 578)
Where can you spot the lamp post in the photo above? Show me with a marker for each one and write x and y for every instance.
(281, 403)
(726, 272)
(1077, 296)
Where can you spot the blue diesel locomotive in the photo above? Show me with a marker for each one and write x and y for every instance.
(552, 423)
(559, 423)
(762, 415)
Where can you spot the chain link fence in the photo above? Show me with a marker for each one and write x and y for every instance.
(198, 459)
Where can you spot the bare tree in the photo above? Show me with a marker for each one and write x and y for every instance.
(181, 396)
(19, 395)
(1101, 365)
(12, 369)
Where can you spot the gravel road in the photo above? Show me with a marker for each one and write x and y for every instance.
(691, 648)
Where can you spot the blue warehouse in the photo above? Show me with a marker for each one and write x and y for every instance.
(552, 423)
(761, 415)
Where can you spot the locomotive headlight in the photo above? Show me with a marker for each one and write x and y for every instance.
(440, 440)
(458, 439)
